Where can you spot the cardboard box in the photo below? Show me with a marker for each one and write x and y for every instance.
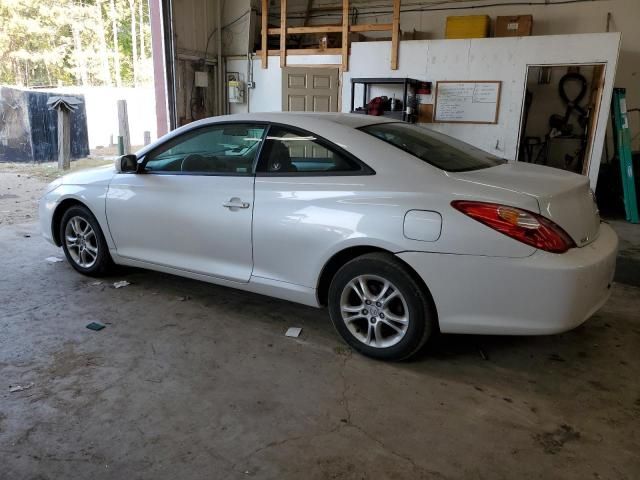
(514, 26)
(468, 26)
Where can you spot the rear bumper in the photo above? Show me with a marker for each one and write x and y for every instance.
(541, 294)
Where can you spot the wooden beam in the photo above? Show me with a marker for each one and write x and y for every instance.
(365, 27)
(371, 27)
(264, 46)
(298, 30)
(345, 35)
(283, 38)
(395, 35)
(306, 51)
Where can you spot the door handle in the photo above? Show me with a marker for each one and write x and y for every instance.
(235, 203)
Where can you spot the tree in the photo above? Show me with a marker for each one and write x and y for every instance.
(134, 41)
(116, 48)
(68, 42)
(104, 56)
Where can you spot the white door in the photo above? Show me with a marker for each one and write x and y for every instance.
(192, 205)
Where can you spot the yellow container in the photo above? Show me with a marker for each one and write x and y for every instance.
(468, 26)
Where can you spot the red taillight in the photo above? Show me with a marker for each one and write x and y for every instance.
(522, 225)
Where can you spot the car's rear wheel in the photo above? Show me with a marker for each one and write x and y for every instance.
(83, 242)
(379, 308)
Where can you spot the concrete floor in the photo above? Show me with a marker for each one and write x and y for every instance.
(190, 380)
(628, 266)
(208, 386)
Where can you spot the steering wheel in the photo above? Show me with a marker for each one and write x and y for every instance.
(192, 163)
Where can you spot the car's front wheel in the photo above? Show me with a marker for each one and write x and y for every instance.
(83, 242)
(379, 308)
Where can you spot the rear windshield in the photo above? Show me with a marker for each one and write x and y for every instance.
(432, 147)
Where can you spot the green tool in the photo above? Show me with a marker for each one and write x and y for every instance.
(622, 140)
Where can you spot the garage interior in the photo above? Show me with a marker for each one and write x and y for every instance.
(199, 381)
(558, 118)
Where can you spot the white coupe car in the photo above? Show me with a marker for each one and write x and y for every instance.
(399, 230)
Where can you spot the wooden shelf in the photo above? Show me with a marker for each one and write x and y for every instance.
(365, 27)
(371, 27)
(304, 51)
(345, 28)
(302, 30)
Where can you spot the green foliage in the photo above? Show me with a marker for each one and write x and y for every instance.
(71, 42)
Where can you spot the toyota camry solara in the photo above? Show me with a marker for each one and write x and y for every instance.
(398, 230)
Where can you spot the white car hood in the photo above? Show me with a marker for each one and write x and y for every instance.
(96, 175)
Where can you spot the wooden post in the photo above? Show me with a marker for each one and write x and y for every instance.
(395, 35)
(265, 47)
(64, 139)
(345, 35)
(147, 137)
(283, 33)
(123, 125)
(64, 106)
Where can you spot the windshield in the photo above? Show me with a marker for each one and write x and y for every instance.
(432, 147)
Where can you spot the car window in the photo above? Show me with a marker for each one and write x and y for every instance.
(288, 151)
(229, 149)
(435, 148)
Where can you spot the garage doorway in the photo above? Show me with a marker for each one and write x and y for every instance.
(559, 116)
(310, 89)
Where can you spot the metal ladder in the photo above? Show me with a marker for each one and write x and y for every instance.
(622, 143)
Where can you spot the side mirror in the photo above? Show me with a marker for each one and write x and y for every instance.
(127, 164)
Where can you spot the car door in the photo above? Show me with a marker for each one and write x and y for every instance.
(307, 200)
(191, 204)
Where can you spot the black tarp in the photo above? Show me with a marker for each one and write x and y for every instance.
(42, 134)
(44, 128)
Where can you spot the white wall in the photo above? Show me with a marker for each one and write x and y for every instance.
(102, 112)
(549, 18)
(195, 20)
(504, 59)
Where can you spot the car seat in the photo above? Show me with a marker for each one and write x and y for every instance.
(279, 158)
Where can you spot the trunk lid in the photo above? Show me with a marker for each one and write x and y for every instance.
(562, 196)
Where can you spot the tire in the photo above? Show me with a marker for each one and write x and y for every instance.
(89, 253)
(360, 319)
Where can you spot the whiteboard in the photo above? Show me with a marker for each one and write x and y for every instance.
(467, 101)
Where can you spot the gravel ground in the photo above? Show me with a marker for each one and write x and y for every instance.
(19, 194)
(197, 381)
(21, 186)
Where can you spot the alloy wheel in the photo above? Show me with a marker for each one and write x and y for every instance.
(374, 310)
(81, 242)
